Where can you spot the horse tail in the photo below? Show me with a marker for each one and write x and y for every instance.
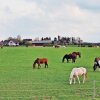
(86, 75)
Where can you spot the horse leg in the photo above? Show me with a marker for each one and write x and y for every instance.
(39, 66)
(78, 79)
(47, 65)
(67, 60)
(99, 67)
(74, 80)
(33, 66)
(70, 81)
(72, 60)
(83, 78)
(94, 67)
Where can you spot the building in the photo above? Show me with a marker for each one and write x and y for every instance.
(12, 42)
(42, 42)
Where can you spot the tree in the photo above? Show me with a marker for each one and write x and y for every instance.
(18, 37)
(9, 38)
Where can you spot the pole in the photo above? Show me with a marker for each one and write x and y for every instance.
(94, 90)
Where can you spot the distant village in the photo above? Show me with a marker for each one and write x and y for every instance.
(44, 41)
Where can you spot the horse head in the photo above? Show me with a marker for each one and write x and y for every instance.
(79, 54)
(63, 59)
(36, 61)
(65, 56)
(71, 77)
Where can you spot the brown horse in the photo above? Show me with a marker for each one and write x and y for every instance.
(77, 53)
(1, 46)
(57, 46)
(40, 61)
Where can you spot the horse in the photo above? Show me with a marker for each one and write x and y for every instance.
(1, 46)
(76, 72)
(57, 46)
(40, 61)
(96, 63)
(77, 53)
(70, 57)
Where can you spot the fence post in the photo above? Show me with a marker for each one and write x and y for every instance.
(94, 90)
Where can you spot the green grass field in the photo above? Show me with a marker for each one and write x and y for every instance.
(18, 81)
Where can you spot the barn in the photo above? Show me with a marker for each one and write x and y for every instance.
(42, 43)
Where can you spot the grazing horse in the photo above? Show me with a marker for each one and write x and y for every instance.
(1, 46)
(69, 57)
(96, 63)
(40, 61)
(76, 72)
(57, 46)
(77, 53)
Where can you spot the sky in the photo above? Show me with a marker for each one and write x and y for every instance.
(50, 18)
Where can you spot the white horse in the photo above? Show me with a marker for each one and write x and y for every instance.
(76, 72)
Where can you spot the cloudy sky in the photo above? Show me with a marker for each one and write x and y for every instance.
(37, 18)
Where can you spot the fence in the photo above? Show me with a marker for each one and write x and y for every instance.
(50, 91)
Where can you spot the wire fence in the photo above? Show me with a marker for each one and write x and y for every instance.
(50, 91)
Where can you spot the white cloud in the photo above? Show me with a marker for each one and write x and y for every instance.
(50, 17)
(12, 10)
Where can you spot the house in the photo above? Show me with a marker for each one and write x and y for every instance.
(11, 42)
(42, 42)
(1, 43)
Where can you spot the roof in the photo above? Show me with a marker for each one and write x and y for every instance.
(13, 40)
(42, 41)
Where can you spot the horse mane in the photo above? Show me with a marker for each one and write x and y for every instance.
(36, 61)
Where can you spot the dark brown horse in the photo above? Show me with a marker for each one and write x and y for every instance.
(77, 53)
(1, 46)
(57, 46)
(70, 57)
(96, 63)
(39, 61)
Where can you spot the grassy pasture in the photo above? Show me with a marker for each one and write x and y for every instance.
(18, 81)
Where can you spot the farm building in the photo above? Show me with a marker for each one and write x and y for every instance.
(12, 42)
(1, 43)
(27, 40)
(42, 42)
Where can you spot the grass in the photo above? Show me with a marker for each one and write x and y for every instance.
(18, 81)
